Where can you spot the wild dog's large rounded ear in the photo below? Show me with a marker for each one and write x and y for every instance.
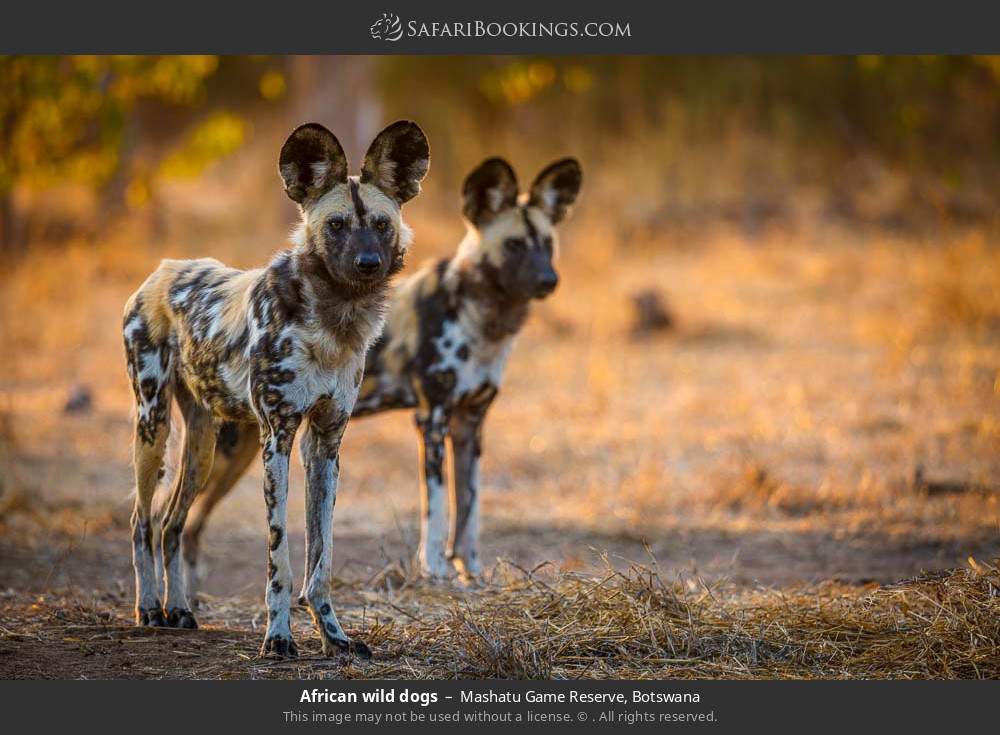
(488, 191)
(556, 187)
(311, 163)
(397, 161)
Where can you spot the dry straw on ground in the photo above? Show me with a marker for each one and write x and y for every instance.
(630, 625)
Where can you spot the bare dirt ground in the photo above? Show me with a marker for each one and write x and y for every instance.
(767, 443)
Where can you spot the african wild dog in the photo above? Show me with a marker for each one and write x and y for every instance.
(268, 349)
(448, 334)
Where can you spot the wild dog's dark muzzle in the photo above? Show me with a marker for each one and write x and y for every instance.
(367, 254)
(368, 263)
(546, 283)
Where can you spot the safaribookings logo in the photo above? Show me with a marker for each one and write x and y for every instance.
(390, 28)
(387, 28)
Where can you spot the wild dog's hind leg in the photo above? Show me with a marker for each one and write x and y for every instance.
(151, 374)
(196, 463)
(321, 458)
(236, 445)
(433, 427)
(466, 443)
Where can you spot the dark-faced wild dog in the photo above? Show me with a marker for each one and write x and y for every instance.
(270, 349)
(448, 334)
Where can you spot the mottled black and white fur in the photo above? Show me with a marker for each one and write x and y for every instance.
(448, 334)
(270, 349)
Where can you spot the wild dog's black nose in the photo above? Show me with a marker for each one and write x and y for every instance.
(367, 263)
(547, 283)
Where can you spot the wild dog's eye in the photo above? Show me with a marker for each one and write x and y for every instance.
(514, 244)
(336, 224)
(382, 225)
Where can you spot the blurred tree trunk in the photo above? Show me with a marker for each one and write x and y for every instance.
(10, 240)
(8, 227)
(342, 93)
(113, 194)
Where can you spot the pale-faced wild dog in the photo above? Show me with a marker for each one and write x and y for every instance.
(448, 334)
(270, 348)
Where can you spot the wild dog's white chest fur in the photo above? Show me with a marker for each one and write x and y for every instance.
(475, 360)
(322, 367)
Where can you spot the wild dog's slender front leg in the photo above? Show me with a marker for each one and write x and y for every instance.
(196, 464)
(236, 446)
(148, 458)
(433, 428)
(148, 448)
(278, 434)
(321, 458)
(466, 443)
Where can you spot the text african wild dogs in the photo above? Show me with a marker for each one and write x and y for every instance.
(448, 334)
(270, 348)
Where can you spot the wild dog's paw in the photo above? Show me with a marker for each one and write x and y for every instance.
(334, 640)
(361, 649)
(469, 571)
(181, 618)
(279, 646)
(150, 617)
(334, 644)
(435, 568)
(439, 581)
(469, 581)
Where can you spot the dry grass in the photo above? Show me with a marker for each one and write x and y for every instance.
(630, 624)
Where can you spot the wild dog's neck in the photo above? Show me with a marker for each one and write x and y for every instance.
(339, 319)
(481, 299)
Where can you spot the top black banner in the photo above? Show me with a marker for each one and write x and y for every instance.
(511, 27)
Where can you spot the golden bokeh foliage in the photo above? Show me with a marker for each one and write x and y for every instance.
(120, 125)
(66, 117)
